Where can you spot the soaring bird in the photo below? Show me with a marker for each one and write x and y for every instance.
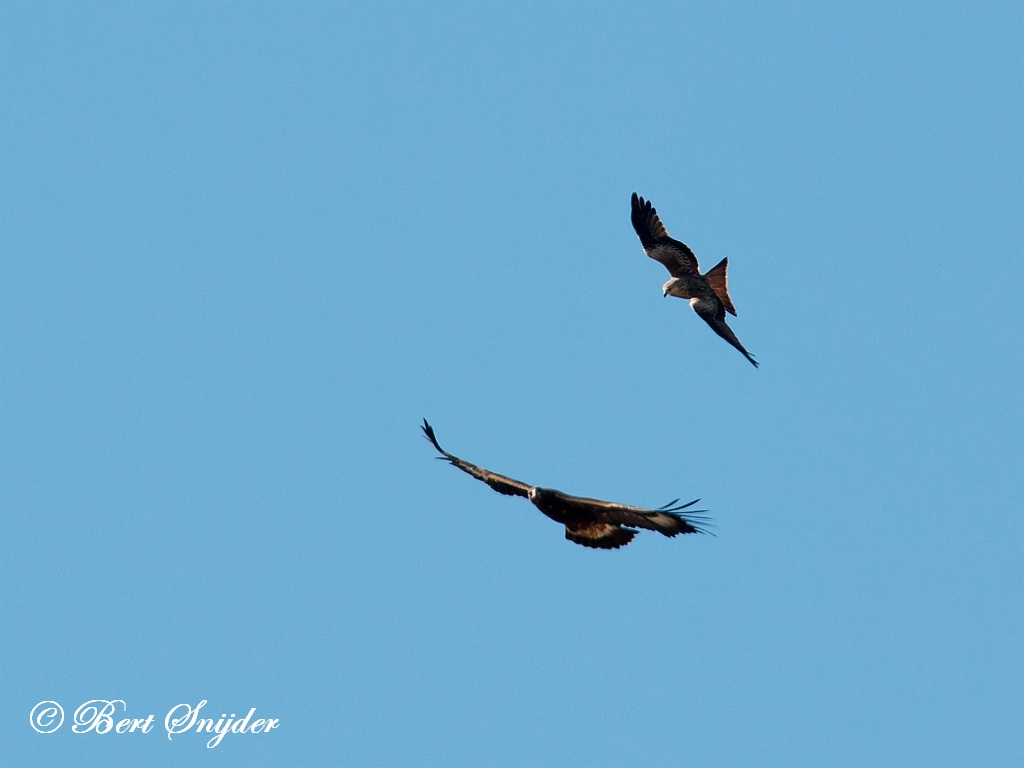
(590, 522)
(708, 293)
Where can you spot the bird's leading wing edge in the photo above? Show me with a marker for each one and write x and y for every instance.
(500, 483)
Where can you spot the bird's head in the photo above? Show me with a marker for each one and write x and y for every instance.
(667, 286)
(538, 494)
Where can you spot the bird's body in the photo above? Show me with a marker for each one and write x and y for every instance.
(589, 522)
(708, 293)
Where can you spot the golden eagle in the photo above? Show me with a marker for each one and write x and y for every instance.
(708, 293)
(590, 522)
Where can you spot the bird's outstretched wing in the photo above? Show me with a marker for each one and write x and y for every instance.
(667, 520)
(676, 256)
(500, 483)
(715, 317)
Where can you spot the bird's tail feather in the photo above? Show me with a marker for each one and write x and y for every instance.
(716, 277)
(599, 536)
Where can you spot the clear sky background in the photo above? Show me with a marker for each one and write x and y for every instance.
(247, 247)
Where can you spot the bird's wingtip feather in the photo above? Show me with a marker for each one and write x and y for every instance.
(428, 432)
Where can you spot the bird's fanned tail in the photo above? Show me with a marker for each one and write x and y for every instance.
(717, 279)
(599, 535)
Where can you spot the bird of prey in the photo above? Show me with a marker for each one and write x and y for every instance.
(589, 522)
(708, 293)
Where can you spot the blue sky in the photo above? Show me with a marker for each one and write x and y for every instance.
(247, 247)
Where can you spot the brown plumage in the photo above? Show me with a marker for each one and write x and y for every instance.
(589, 522)
(708, 293)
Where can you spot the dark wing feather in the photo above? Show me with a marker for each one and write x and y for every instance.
(500, 483)
(715, 317)
(667, 520)
(676, 256)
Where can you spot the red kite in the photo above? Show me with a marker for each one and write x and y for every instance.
(708, 293)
